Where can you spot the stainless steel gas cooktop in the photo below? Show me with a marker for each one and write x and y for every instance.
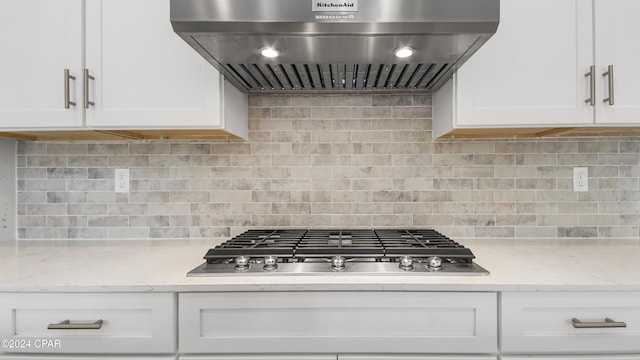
(332, 252)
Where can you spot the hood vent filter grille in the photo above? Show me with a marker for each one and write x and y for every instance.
(305, 78)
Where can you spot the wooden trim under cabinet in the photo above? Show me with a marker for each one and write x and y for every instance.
(506, 133)
(120, 135)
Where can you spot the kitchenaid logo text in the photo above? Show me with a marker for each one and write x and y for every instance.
(332, 5)
(336, 5)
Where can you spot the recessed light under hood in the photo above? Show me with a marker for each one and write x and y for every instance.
(336, 45)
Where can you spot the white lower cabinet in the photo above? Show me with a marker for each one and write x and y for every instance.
(334, 357)
(82, 357)
(582, 357)
(413, 357)
(570, 322)
(338, 322)
(321, 325)
(73, 323)
(259, 357)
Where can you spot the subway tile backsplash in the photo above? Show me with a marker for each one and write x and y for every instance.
(317, 161)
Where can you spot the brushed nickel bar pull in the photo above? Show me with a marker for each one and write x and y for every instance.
(609, 73)
(592, 85)
(68, 325)
(67, 100)
(87, 77)
(607, 323)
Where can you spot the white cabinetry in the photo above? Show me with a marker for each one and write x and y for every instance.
(40, 38)
(338, 322)
(259, 357)
(539, 323)
(587, 357)
(529, 78)
(142, 75)
(146, 76)
(338, 357)
(88, 323)
(413, 357)
(306, 325)
(86, 357)
(615, 22)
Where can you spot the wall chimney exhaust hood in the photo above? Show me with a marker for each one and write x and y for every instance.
(308, 46)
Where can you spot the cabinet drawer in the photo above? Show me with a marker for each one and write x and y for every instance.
(414, 357)
(131, 323)
(542, 322)
(583, 357)
(338, 357)
(338, 322)
(82, 357)
(259, 357)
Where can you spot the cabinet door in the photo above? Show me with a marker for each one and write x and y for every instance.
(40, 38)
(338, 322)
(583, 357)
(532, 71)
(145, 75)
(259, 357)
(83, 357)
(617, 27)
(414, 357)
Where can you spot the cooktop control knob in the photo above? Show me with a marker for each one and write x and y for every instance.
(270, 263)
(242, 263)
(434, 263)
(338, 263)
(406, 263)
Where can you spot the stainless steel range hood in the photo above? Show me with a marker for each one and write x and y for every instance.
(336, 45)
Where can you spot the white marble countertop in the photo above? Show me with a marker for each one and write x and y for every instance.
(161, 266)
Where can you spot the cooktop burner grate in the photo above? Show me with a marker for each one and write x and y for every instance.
(354, 251)
(301, 244)
(259, 243)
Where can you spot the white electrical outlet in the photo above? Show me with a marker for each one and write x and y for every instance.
(122, 180)
(580, 179)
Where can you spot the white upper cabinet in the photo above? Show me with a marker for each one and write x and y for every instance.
(617, 28)
(533, 76)
(531, 72)
(40, 38)
(140, 74)
(145, 75)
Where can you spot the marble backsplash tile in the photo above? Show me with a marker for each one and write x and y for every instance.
(331, 161)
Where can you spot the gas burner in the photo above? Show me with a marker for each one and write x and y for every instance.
(270, 263)
(406, 263)
(337, 263)
(434, 263)
(242, 263)
(367, 252)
